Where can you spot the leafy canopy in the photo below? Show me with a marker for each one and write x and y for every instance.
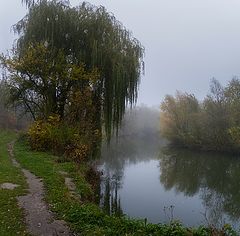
(91, 36)
(212, 124)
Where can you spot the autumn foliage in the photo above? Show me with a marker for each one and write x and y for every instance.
(212, 124)
(74, 70)
(75, 137)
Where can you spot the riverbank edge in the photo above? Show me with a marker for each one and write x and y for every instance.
(194, 147)
(81, 213)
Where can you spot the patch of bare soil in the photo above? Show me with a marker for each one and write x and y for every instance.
(9, 186)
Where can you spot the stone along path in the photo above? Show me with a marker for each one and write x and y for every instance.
(40, 221)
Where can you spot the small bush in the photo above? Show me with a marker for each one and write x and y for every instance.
(61, 138)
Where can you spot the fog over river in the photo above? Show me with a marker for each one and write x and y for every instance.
(144, 178)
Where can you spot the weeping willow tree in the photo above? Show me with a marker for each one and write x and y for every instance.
(91, 36)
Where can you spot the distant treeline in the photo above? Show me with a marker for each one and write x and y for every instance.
(212, 124)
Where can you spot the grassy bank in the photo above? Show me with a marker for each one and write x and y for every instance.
(82, 215)
(11, 216)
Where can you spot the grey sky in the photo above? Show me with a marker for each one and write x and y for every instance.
(187, 42)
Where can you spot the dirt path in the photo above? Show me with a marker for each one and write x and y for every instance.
(40, 221)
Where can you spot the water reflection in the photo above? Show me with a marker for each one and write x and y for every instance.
(110, 201)
(144, 178)
(123, 152)
(214, 177)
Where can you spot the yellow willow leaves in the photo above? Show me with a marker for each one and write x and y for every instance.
(39, 61)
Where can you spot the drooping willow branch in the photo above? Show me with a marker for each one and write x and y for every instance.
(90, 35)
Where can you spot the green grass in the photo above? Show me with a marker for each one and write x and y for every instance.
(83, 216)
(11, 216)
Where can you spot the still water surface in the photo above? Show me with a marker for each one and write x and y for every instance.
(143, 178)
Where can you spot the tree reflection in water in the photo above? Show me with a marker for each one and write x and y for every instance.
(209, 179)
(125, 150)
(215, 177)
(110, 201)
(138, 141)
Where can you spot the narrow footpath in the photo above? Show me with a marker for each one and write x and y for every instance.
(39, 219)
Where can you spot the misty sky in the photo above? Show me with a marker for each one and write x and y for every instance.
(187, 42)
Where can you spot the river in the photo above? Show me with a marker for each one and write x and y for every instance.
(144, 178)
